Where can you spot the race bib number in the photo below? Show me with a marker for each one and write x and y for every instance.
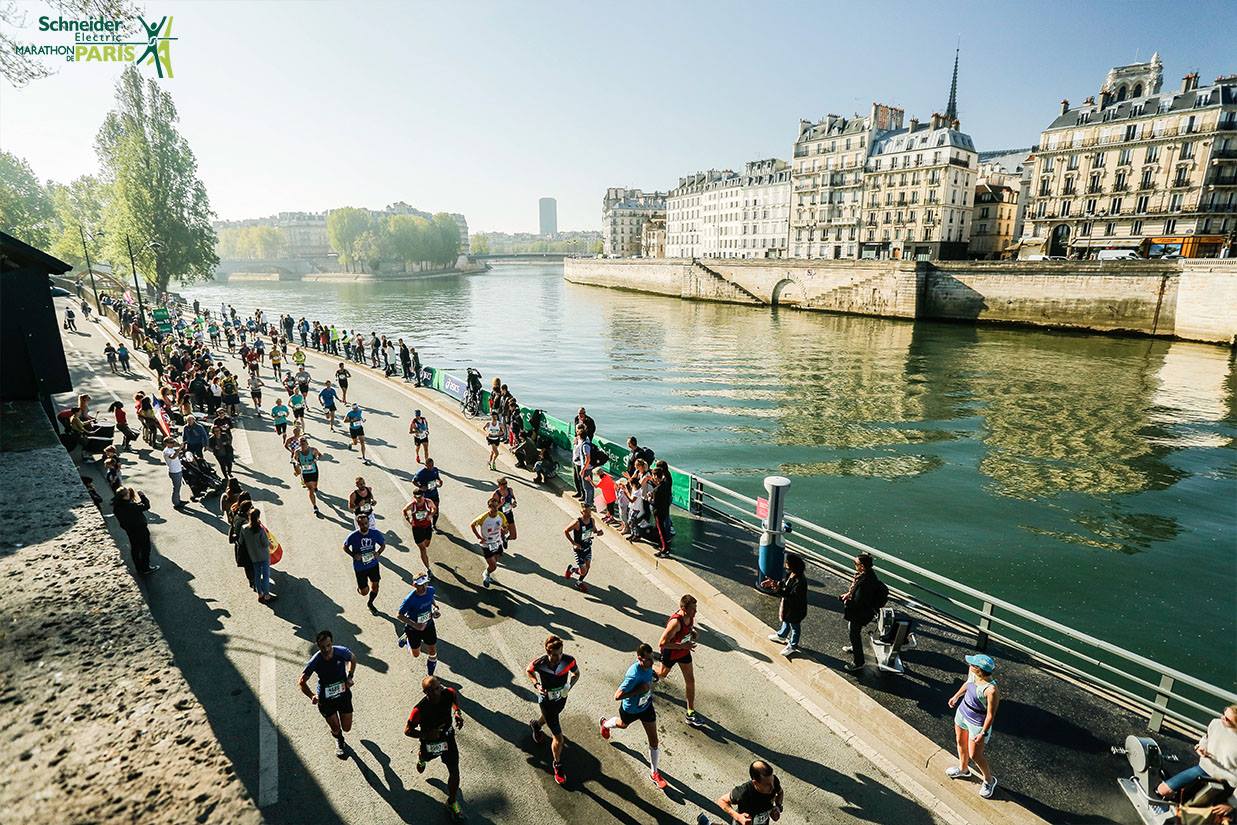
(761, 819)
(493, 545)
(586, 535)
(421, 515)
(436, 748)
(433, 485)
(424, 618)
(367, 557)
(334, 690)
(554, 694)
(507, 507)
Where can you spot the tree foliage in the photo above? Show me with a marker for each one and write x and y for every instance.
(157, 200)
(344, 228)
(26, 210)
(371, 241)
(81, 203)
(254, 243)
(20, 69)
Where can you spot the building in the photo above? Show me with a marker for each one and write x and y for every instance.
(1138, 168)
(992, 228)
(623, 214)
(653, 238)
(724, 214)
(1012, 168)
(547, 209)
(32, 360)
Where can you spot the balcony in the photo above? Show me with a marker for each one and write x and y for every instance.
(965, 164)
(1224, 154)
(1094, 190)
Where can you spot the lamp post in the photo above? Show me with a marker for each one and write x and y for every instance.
(141, 308)
(98, 307)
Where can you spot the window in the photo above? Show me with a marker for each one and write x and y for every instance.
(981, 229)
(1094, 185)
(1069, 187)
(1085, 229)
(1187, 149)
(1110, 228)
(1148, 175)
(1170, 226)
(1073, 162)
(1114, 208)
(1119, 183)
(1174, 202)
(1140, 206)
(1131, 132)
(1136, 228)
(1100, 157)
(1044, 183)
(1090, 206)
(1153, 154)
(1065, 205)
(1125, 156)
(1183, 176)
(1048, 164)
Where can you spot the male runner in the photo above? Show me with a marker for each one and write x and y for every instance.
(421, 513)
(580, 533)
(677, 642)
(635, 697)
(429, 480)
(326, 397)
(297, 401)
(430, 721)
(361, 501)
(302, 380)
(335, 666)
(755, 802)
(356, 428)
(341, 378)
(418, 612)
(552, 675)
(306, 467)
(280, 413)
(420, 430)
(365, 546)
(490, 528)
(255, 392)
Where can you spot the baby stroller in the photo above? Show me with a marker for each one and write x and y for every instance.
(200, 476)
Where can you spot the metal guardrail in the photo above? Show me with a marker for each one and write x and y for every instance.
(1103, 665)
(1154, 689)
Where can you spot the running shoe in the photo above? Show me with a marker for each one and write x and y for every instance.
(605, 732)
(773, 637)
(453, 810)
(791, 650)
(582, 587)
(954, 772)
(987, 789)
(420, 766)
(559, 776)
(341, 748)
(485, 580)
(657, 780)
(538, 736)
(692, 718)
(567, 574)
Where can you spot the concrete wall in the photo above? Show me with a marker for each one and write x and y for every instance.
(1138, 296)
(884, 288)
(1207, 301)
(663, 276)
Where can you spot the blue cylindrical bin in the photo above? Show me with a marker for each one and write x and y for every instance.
(772, 551)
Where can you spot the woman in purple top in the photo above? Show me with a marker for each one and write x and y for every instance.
(976, 702)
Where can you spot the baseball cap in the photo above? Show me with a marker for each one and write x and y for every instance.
(420, 580)
(982, 661)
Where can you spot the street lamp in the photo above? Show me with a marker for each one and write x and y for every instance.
(89, 268)
(141, 307)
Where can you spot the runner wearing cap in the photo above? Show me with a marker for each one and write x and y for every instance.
(418, 612)
(419, 428)
(552, 675)
(365, 545)
(420, 513)
(490, 528)
(976, 702)
(356, 428)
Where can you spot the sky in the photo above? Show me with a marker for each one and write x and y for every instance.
(482, 108)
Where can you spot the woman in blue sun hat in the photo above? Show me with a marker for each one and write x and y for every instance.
(976, 702)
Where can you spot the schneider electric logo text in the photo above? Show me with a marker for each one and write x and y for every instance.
(102, 40)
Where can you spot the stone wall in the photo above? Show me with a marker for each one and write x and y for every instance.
(99, 724)
(1207, 301)
(884, 288)
(1136, 296)
(663, 276)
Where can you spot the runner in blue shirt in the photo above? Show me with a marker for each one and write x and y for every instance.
(335, 665)
(365, 546)
(418, 612)
(326, 397)
(428, 480)
(356, 428)
(635, 698)
(280, 413)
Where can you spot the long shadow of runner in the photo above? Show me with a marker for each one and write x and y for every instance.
(409, 804)
(307, 609)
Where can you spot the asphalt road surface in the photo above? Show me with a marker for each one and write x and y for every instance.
(243, 658)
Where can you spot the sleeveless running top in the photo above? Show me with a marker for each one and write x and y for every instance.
(583, 534)
(494, 430)
(364, 501)
(421, 515)
(686, 626)
(974, 703)
(422, 426)
(309, 464)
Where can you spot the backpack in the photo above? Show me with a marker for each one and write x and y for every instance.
(880, 596)
(647, 454)
(600, 457)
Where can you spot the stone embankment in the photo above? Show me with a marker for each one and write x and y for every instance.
(1194, 300)
(99, 724)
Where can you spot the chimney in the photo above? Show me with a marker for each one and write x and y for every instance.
(1090, 101)
(1064, 106)
(935, 121)
(914, 123)
(956, 125)
(1189, 82)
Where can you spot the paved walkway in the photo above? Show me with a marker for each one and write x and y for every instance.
(242, 659)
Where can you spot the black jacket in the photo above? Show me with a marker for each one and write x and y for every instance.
(131, 515)
(793, 590)
(865, 590)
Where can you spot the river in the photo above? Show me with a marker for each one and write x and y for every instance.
(1092, 479)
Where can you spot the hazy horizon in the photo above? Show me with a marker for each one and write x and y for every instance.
(483, 109)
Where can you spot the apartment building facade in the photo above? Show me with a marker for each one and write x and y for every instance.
(726, 214)
(624, 212)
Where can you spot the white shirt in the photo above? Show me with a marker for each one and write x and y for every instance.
(172, 456)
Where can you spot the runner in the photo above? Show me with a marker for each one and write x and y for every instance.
(341, 378)
(298, 358)
(418, 612)
(231, 394)
(430, 721)
(506, 503)
(635, 697)
(277, 362)
(429, 480)
(365, 546)
(493, 436)
(335, 666)
(306, 467)
(255, 392)
(552, 675)
(677, 642)
(420, 430)
(490, 528)
(421, 513)
(280, 413)
(356, 429)
(361, 501)
(326, 397)
(580, 533)
(302, 380)
(297, 400)
(756, 802)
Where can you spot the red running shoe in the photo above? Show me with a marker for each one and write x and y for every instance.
(605, 732)
(559, 776)
(657, 780)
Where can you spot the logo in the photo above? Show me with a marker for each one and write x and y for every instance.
(101, 40)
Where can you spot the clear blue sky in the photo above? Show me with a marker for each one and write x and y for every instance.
(482, 108)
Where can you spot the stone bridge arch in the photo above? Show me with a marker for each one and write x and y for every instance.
(787, 292)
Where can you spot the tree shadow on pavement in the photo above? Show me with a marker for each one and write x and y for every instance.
(309, 610)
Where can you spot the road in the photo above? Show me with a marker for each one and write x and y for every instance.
(242, 658)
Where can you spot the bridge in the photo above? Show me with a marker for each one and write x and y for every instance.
(537, 256)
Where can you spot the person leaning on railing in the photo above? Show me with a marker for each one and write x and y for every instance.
(1217, 757)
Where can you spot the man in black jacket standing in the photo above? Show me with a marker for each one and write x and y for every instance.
(129, 506)
(865, 597)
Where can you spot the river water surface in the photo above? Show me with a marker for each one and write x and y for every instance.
(1092, 479)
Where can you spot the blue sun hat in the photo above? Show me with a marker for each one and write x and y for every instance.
(982, 661)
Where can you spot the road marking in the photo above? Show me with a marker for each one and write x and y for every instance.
(268, 737)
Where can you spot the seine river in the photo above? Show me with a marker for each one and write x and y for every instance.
(1092, 479)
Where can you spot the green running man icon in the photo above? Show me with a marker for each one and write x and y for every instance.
(152, 43)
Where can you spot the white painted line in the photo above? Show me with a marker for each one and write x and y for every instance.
(268, 737)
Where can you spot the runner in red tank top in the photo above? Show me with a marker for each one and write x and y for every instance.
(678, 641)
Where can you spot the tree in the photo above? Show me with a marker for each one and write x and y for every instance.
(157, 200)
(25, 209)
(343, 227)
(447, 241)
(480, 244)
(20, 69)
(407, 236)
(266, 242)
(81, 203)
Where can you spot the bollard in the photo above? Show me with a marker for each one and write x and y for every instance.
(772, 540)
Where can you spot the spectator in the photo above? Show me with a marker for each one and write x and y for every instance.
(590, 426)
(976, 702)
(252, 537)
(581, 462)
(129, 506)
(237, 517)
(866, 596)
(1217, 756)
(229, 497)
(662, 496)
(793, 609)
(195, 435)
(172, 455)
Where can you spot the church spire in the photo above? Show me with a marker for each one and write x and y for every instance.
(951, 110)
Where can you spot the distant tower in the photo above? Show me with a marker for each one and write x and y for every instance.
(549, 216)
(951, 110)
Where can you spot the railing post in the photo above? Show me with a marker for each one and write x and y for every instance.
(985, 624)
(1161, 703)
(772, 551)
(695, 496)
